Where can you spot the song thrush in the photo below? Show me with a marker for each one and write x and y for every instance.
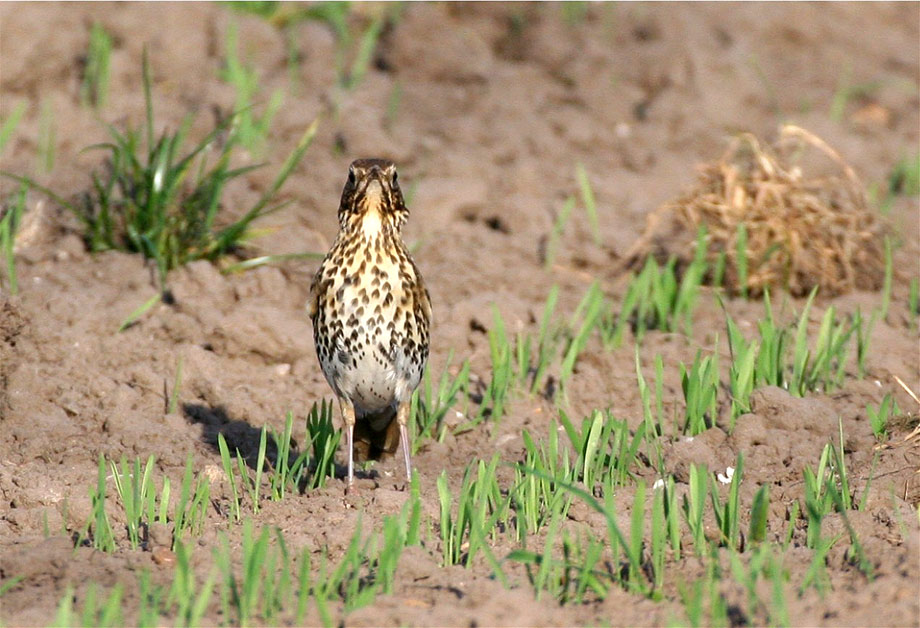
(371, 313)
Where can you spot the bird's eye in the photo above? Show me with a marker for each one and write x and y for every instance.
(351, 177)
(394, 176)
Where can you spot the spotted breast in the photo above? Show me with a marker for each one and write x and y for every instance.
(371, 312)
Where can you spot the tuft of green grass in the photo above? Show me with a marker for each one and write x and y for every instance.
(324, 440)
(606, 451)
(626, 551)
(98, 529)
(762, 564)
(157, 201)
(794, 357)
(355, 44)
(286, 474)
(878, 417)
(190, 512)
(820, 367)
(429, 406)
(657, 299)
(251, 129)
(700, 384)
(492, 404)
(138, 497)
(480, 507)
(741, 374)
(536, 497)
(94, 88)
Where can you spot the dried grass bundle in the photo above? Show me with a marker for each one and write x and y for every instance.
(803, 230)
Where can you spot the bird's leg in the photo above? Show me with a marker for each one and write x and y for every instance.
(348, 416)
(402, 416)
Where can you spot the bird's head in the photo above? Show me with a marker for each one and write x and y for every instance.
(372, 201)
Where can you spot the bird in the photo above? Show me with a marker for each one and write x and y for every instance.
(371, 313)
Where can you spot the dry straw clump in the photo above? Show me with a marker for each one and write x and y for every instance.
(803, 229)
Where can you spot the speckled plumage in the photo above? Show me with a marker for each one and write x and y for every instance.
(371, 312)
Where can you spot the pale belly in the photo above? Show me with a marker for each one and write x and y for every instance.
(366, 358)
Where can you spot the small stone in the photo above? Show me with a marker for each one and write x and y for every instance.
(163, 556)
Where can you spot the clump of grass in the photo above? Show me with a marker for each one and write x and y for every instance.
(143, 504)
(800, 230)
(286, 474)
(606, 451)
(492, 403)
(356, 45)
(536, 496)
(700, 385)
(164, 204)
(430, 406)
(827, 489)
(660, 297)
(94, 88)
(793, 357)
(480, 506)
(741, 372)
(879, 417)
(138, 497)
(283, 474)
(324, 440)
(190, 512)
(251, 128)
(98, 529)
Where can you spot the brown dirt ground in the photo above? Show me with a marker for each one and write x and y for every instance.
(491, 123)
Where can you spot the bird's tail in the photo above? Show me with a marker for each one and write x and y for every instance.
(379, 432)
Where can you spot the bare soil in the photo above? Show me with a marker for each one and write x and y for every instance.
(498, 104)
